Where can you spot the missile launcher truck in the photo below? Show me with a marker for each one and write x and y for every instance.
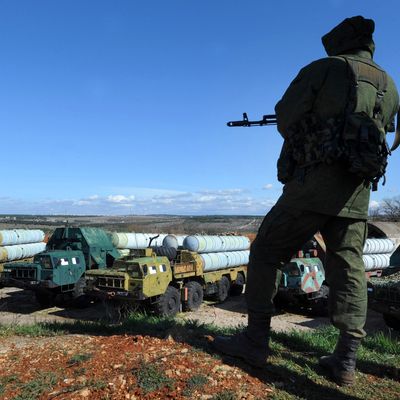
(163, 282)
(58, 272)
(302, 284)
(384, 297)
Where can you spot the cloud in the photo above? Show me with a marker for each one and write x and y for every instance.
(373, 204)
(268, 186)
(119, 198)
(227, 201)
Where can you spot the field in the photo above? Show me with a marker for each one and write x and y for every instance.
(151, 358)
(98, 354)
(147, 223)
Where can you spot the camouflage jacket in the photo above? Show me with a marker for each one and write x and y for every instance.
(322, 88)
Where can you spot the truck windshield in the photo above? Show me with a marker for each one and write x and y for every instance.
(44, 261)
(134, 270)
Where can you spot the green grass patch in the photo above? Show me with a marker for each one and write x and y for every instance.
(32, 390)
(136, 323)
(34, 330)
(79, 359)
(150, 377)
(79, 371)
(225, 395)
(195, 382)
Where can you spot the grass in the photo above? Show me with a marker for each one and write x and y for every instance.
(195, 382)
(150, 377)
(78, 359)
(34, 330)
(5, 380)
(293, 371)
(225, 395)
(32, 390)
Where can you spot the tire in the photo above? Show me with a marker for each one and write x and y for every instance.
(194, 296)
(168, 304)
(237, 287)
(79, 298)
(392, 321)
(320, 307)
(223, 289)
(45, 299)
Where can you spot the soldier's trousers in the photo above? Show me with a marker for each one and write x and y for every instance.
(282, 233)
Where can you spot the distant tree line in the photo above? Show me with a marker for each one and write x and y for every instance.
(388, 210)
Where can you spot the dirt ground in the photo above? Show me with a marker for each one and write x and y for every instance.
(77, 366)
(20, 307)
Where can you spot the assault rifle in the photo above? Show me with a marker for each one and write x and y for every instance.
(266, 120)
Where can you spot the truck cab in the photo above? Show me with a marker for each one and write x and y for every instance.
(132, 279)
(50, 269)
(165, 285)
(59, 270)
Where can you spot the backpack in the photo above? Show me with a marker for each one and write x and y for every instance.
(363, 141)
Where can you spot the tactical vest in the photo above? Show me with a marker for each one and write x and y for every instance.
(355, 138)
(364, 138)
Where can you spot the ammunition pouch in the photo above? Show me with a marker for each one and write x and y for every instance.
(309, 143)
(286, 164)
(355, 138)
(365, 147)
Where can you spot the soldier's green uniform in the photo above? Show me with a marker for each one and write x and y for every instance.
(317, 196)
(320, 197)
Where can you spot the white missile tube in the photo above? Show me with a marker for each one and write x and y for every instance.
(20, 236)
(174, 241)
(381, 246)
(20, 251)
(222, 260)
(211, 244)
(122, 240)
(376, 261)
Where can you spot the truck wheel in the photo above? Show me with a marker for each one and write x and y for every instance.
(237, 287)
(194, 296)
(169, 303)
(320, 306)
(392, 321)
(223, 289)
(80, 300)
(45, 299)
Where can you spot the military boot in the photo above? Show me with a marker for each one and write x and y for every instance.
(341, 364)
(251, 344)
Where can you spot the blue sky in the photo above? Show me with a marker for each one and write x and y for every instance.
(120, 107)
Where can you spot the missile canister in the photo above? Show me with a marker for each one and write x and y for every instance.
(378, 246)
(20, 251)
(221, 260)
(136, 241)
(212, 244)
(376, 261)
(20, 236)
(175, 241)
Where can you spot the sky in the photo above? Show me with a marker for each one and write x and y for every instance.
(120, 107)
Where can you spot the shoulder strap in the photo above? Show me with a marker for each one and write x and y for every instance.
(369, 72)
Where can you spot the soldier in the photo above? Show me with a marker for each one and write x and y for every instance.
(333, 117)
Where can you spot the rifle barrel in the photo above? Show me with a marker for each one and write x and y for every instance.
(269, 119)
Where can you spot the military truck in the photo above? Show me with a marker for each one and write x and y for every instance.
(384, 297)
(165, 284)
(9, 263)
(57, 274)
(302, 285)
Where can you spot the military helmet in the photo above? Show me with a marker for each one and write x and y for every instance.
(352, 33)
